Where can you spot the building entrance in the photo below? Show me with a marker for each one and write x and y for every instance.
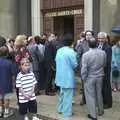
(64, 25)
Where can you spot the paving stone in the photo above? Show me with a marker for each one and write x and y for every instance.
(47, 107)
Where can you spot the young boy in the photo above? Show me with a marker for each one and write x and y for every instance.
(6, 86)
(26, 84)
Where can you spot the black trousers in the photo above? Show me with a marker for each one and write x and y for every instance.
(30, 106)
(107, 91)
(49, 76)
(41, 79)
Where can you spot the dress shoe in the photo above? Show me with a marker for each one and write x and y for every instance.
(107, 107)
(55, 90)
(37, 93)
(101, 113)
(92, 118)
(82, 103)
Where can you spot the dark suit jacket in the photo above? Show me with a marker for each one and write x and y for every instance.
(49, 54)
(107, 93)
(108, 49)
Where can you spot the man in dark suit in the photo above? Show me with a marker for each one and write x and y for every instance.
(51, 47)
(107, 92)
(49, 66)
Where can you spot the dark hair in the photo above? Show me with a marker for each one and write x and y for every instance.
(82, 34)
(92, 43)
(90, 32)
(38, 40)
(44, 34)
(108, 37)
(68, 40)
(11, 40)
(55, 34)
(2, 41)
(4, 51)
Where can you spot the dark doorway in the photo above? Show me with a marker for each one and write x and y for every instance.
(64, 25)
(69, 25)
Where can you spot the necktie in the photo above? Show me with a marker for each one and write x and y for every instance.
(100, 46)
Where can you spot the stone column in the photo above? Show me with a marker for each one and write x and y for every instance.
(108, 14)
(24, 17)
(36, 17)
(8, 18)
(96, 16)
(88, 13)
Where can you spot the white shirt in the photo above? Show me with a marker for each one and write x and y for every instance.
(26, 82)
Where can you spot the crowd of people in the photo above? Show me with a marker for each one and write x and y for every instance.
(34, 63)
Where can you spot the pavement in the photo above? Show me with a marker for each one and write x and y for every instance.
(47, 106)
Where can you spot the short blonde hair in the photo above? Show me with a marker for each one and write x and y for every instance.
(20, 40)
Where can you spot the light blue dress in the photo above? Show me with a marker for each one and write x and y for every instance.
(116, 61)
(66, 63)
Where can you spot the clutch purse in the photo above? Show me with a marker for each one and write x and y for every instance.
(115, 73)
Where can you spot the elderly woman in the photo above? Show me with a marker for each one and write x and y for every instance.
(116, 66)
(107, 92)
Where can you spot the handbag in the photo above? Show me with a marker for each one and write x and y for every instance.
(115, 72)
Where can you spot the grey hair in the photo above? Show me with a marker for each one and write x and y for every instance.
(103, 34)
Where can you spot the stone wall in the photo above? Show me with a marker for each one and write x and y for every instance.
(108, 14)
(78, 25)
(50, 4)
(62, 5)
(8, 18)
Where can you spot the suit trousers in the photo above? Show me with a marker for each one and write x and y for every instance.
(93, 95)
(49, 76)
(107, 91)
(65, 101)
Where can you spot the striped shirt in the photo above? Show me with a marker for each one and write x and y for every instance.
(26, 82)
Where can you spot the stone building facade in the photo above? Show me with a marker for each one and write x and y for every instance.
(63, 16)
(15, 17)
(34, 17)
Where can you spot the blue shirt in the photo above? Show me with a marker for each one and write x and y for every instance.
(6, 72)
(66, 63)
